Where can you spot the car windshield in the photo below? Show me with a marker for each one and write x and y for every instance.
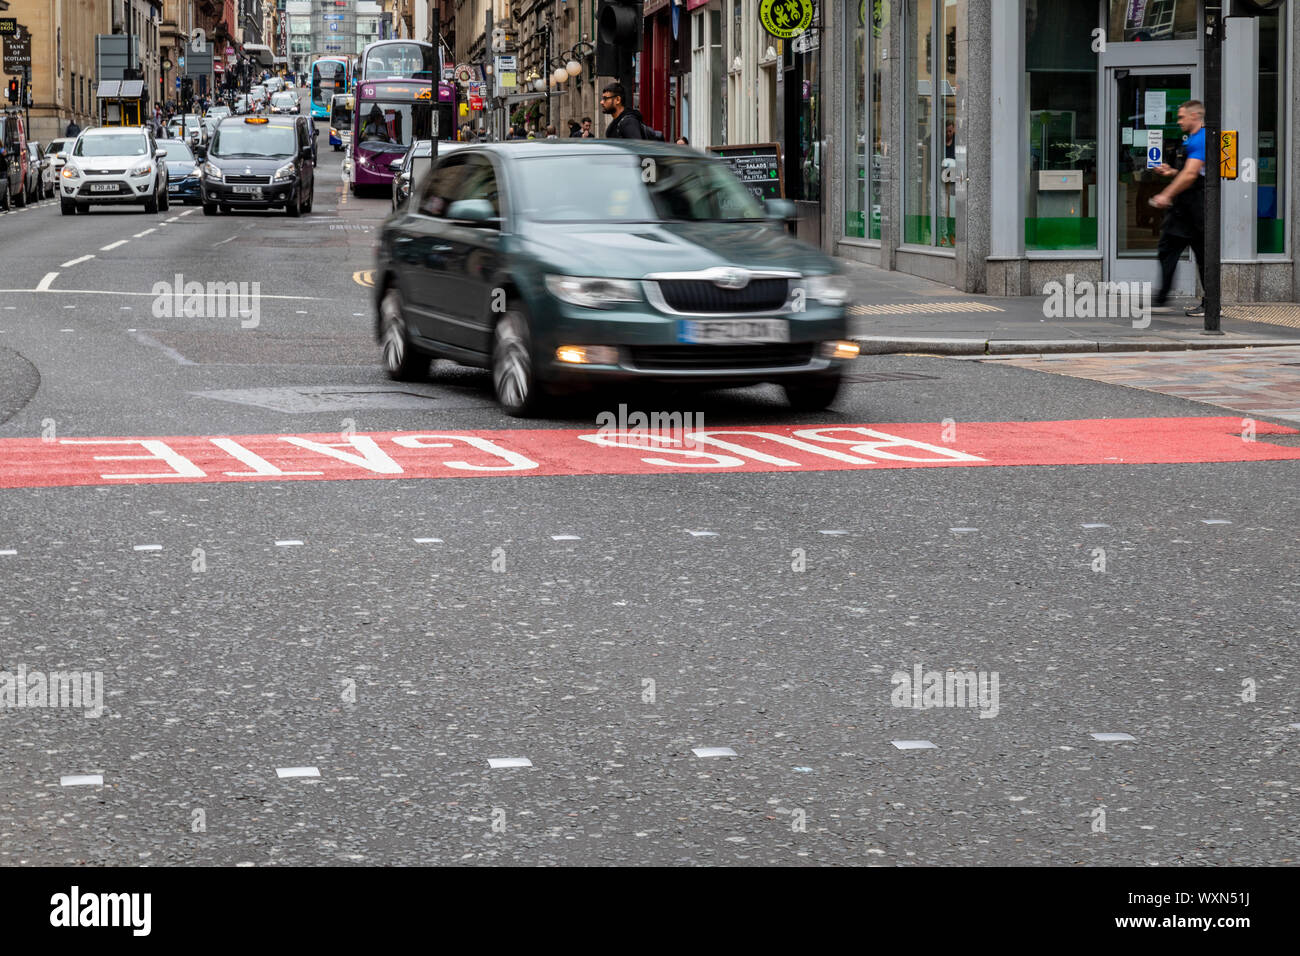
(177, 152)
(284, 99)
(112, 144)
(252, 140)
(604, 188)
(56, 146)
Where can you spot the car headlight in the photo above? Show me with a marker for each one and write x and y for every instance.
(71, 172)
(195, 171)
(593, 293)
(142, 170)
(212, 172)
(284, 174)
(827, 289)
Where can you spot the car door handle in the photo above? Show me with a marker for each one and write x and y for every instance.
(441, 249)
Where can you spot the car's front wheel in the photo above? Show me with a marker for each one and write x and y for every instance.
(402, 360)
(514, 376)
(67, 208)
(151, 204)
(812, 393)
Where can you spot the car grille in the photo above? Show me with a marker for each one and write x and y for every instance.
(701, 357)
(249, 180)
(701, 295)
(105, 172)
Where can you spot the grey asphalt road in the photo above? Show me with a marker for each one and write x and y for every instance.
(398, 669)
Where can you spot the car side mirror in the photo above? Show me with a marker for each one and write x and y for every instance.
(159, 153)
(473, 210)
(779, 209)
(61, 157)
(395, 165)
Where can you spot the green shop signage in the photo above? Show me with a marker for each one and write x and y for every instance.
(785, 19)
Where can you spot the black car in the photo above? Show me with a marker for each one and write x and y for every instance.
(569, 263)
(259, 162)
(182, 172)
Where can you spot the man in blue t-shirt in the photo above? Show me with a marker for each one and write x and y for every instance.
(1184, 198)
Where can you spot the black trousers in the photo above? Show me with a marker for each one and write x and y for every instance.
(1180, 232)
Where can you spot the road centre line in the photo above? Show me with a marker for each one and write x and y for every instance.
(141, 235)
(73, 262)
(114, 245)
(224, 241)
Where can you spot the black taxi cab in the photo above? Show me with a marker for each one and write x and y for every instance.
(259, 162)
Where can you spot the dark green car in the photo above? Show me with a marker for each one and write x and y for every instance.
(569, 262)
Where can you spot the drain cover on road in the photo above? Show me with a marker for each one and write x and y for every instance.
(305, 399)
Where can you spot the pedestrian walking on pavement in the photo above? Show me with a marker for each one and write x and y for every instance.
(627, 123)
(73, 129)
(1184, 203)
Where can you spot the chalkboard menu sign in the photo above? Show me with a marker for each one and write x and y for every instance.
(757, 165)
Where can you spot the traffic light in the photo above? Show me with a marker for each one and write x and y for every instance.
(618, 39)
(13, 90)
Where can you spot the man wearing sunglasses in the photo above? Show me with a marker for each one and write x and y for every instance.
(627, 123)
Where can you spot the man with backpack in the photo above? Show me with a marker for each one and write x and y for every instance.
(627, 122)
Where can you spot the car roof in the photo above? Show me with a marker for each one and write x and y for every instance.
(103, 130)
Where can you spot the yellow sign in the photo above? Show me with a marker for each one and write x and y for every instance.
(785, 19)
(1228, 154)
(464, 110)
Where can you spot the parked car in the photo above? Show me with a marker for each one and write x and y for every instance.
(13, 160)
(609, 275)
(52, 150)
(260, 162)
(114, 165)
(35, 172)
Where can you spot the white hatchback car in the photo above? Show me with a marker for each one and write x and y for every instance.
(113, 165)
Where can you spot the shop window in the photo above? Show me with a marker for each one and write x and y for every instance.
(1271, 199)
(930, 123)
(1134, 21)
(857, 158)
(1061, 98)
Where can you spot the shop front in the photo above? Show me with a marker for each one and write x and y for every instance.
(999, 146)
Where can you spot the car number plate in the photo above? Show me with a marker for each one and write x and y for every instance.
(734, 330)
(103, 187)
(255, 190)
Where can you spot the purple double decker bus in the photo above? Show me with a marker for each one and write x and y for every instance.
(394, 106)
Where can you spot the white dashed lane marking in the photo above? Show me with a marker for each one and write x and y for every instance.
(500, 763)
(141, 235)
(44, 285)
(1112, 738)
(147, 547)
(914, 745)
(114, 245)
(428, 540)
(288, 544)
(283, 772)
(73, 262)
(714, 752)
(82, 780)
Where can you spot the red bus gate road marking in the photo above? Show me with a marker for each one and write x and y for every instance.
(35, 462)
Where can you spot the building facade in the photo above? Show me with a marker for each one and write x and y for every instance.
(1047, 112)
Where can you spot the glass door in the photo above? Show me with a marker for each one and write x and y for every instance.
(1143, 112)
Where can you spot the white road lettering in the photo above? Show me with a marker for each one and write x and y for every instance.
(517, 462)
(372, 458)
(181, 466)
